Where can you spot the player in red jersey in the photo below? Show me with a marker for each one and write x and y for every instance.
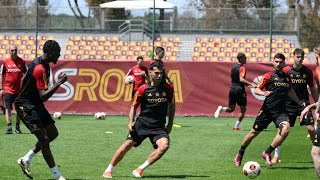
(237, 93)
(156, 100)
(12, 71)
(139, 73)
(31, 109)
(278, 87)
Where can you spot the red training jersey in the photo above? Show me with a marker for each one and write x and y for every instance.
(138, 75)
(13, 71)
(41, 78)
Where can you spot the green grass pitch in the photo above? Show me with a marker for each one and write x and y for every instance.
(204, 148)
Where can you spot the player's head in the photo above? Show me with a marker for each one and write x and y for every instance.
(140, 60)
(159, 52)
(51, 49)
(242, 58)
(298, 56)
(156, 72)
(279, 61)
(13, 52)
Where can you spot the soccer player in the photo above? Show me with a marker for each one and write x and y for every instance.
(237, 93)
(31, 110)
(158, 58)
(12, 71)
(139, 73)
(315, 151)
(301, 77)
(156, 100)
(277, 85)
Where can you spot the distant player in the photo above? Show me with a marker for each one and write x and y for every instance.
(237, 92)
(277, 85)
(158, 58)
(139, 73)
(156, 99)
(31, 109)
(301, 77)
(12, 71)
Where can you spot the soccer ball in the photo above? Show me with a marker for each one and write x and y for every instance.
(99, 115)
(129, 79)
(57, 115)
(251, 169)
(103, 115)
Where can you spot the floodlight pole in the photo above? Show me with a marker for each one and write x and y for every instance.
(37, 26)
(153, 25)
(270, 28)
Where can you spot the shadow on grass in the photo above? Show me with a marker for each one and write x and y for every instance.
(293, 168)
(175, 176)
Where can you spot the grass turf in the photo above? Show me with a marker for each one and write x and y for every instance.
(204, 148)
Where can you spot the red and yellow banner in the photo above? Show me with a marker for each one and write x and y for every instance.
(200, 87)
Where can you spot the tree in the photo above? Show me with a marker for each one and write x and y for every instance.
(77, 12)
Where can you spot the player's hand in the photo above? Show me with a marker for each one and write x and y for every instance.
(304, 113)
(62, 78)
(267, 93)
(143, 73)
(1, 92)
(253, 86)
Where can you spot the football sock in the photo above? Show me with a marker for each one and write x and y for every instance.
(9, 124)
(269, 149)
(109, 168)
(17, 126)
(242, 149)
(277, 151)
(55, 171)
(315, 128)
(237, 125)
(224, 109)
(29, 156)
(144, 165)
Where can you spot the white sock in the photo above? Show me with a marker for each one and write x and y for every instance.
(29, 156)
(55, 171)
(277, 151)
(224, 109)
(144, 165)
(109, 168)
(315, 128)
(237, 125)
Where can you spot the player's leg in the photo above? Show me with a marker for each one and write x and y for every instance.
(161, 144)
(17, 130)
(310, 125)
(231, 105)
(315, 153)
(8, 102)
(242, 102)
(133, 139)
(277, 151)
(283, 131)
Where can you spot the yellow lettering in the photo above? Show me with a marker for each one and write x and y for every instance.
(88, 87)
(175, 78)
(128, 92)
(117, 73)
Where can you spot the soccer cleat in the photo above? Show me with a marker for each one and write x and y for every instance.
(25, 167)
(9, 130)
(107, 175)
(308, 136)
(267, 157)
(218, 111)
(176, 125)
(60, 178)
(238, 159)
(275, 160)
(236, 129)
(137, 173)
(17, 131)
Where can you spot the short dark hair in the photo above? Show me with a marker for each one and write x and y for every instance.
(298, 51)
(50, 46)
(280, 56)
(139, 57)
(157, 64)
(159, 50)
(240, 56)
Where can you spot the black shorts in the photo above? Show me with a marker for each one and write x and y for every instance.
(265, 117)
(138, 135)
(9, 99)
(133, 93)
(316, 142)
(237, 96)
(309, 120)
(35, 118)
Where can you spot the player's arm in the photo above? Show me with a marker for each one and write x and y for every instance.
(307, 109)
(136, 101)
(314, 93)
(171, 109)
(294, 97)
(132, 114)
(46, 94)
(263, 83)
(242, 74)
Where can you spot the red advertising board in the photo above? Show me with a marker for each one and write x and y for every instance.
(98, 86)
